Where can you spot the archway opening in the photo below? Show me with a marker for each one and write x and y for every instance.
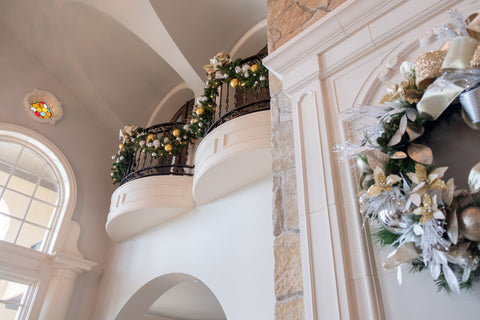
(173, 296)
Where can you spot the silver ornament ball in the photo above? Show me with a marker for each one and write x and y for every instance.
(392, 215)
(469, 223)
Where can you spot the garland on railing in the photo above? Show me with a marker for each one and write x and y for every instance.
(134, 138)
(428, 223)
(220, 70)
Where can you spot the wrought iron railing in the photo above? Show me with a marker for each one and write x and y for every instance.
(235, 102)
(230, 104)
(144, 165)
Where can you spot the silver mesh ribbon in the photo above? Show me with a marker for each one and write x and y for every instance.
(470, 101)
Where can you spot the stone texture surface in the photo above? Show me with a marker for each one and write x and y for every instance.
(291, 19)
(278, 212)
(282, 146)
(314, 4)
(288, 265)
(290, 203)
(277, 7)
(287, 18)
(291, 309)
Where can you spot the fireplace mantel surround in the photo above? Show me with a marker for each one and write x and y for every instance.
(338, 62)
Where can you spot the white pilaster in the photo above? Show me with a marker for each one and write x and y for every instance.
(65, 266)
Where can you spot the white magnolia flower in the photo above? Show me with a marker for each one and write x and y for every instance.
(142, 143)
(407, 69)
(156, 143)
(238, 69)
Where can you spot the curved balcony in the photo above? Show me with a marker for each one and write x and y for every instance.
(236, 150)
(234, 153)
(163, 192)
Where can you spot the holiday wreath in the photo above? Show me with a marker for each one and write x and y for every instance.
(427, 221)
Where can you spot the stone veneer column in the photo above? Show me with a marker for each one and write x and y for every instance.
(288, 265)
(286, 19)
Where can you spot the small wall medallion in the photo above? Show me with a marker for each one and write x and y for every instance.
(43, 106)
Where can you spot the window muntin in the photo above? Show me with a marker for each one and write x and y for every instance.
(13, 297)
(29, 193)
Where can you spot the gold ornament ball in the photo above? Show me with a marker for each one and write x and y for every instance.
(176, 133)
(150, 137)
(121, 146)
(234, 83)
(254, 68)
(469, 223)
(168, 147)
(200, 111)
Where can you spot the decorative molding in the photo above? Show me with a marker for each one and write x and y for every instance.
(322, 59)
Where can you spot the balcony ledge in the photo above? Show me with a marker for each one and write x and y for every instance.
(232, 156)
(141, 204)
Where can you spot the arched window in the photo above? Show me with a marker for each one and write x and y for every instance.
(37, 189)
(37, 198)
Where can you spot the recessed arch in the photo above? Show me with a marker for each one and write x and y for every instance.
(170, 104)
(251, 42)
(172, 285)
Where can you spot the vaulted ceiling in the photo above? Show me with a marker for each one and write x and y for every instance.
(122, 58)
(125, 62)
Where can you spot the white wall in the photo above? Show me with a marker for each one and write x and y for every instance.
(85, 142)
(227, 244)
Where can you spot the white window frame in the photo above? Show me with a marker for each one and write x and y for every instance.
(67, 187)
(32, 267)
